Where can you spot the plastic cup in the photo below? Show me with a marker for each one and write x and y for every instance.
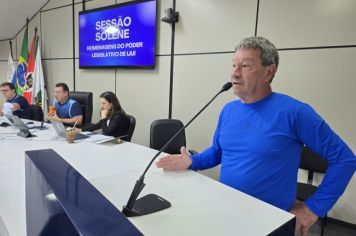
(70, 136)
(51, 109)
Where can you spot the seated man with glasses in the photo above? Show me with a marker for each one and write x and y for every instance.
(20, 106)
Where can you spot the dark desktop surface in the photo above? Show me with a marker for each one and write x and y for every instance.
(60, 201)
(4, 124)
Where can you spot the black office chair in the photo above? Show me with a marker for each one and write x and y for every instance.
(311, 162)
(163, 130)
(131, 128)
(36, 112)
(85, 100)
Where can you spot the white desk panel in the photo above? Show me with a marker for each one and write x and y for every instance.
(200, 206)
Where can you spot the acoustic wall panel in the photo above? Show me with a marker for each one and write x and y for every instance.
(5, 49)
(56, 71)
(3, 75)
(324, 79)
(96, 81)
(34, 23)
(144, 94)
(59, 3)
(197, 79)
(306, 23)
(213, 26)
(57, 33)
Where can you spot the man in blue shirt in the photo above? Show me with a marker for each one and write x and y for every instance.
(20, 106)
(259, 139)
(67, 110)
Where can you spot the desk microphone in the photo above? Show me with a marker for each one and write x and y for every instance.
(41, 127)
(152, 203)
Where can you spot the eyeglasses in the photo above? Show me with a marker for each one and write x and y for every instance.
(4, 90)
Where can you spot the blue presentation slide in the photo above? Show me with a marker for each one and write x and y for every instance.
(119, 36)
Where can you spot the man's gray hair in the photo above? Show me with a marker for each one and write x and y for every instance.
(269, 53)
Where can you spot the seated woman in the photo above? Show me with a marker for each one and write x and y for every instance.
(114, 121)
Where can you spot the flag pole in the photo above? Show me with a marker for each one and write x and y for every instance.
(36, 37)
(10, 42)
(36, 41)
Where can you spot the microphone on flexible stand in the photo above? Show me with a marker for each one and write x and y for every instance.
(152, 203)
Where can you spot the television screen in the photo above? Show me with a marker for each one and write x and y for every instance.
(122, 35)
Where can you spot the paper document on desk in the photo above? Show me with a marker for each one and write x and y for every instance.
(7, 108)
(98, 138)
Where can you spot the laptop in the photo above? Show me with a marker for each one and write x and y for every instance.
(18, 123)
(61, 131)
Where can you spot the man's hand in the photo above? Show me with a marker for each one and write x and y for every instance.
(54, 116)
(77, 130)
(15, 106)
(305, 218)
(175, 162)
(52, 113)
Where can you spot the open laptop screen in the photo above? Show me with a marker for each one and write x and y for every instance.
(61, 130)
(18, 123)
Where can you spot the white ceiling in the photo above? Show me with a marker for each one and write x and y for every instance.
(13, 14)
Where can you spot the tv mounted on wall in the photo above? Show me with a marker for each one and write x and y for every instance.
(121, 35)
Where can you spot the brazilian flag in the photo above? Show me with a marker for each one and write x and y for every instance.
(19, 79)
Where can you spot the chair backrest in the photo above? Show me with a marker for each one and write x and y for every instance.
(162, 131)
(85, 100)
(37, 112)
(312, 162)
(131, 128)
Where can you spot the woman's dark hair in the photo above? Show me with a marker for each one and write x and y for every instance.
(116, 107)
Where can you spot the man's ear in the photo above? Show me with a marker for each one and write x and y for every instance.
(271, 71)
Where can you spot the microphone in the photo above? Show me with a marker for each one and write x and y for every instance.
(225, 87)
(152, 203)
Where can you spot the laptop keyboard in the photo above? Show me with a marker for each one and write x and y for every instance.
(80, 136)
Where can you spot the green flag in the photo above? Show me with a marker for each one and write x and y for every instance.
(24, 48)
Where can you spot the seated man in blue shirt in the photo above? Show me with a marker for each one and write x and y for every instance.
(259, 139)
(20, 106)
(67, 110)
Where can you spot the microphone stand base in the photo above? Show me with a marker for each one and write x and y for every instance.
(25, 134)
(146, 205)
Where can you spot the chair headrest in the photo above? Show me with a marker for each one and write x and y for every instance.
(312, 161)
(81, 96)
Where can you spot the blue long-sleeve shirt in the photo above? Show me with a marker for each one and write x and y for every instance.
(259, 146)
